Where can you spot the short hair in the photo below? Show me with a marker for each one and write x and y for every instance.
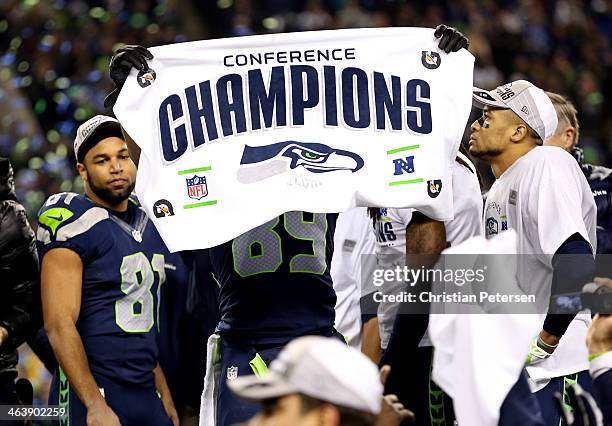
(518, 120)
(348, 416)
(566, 114)
(530, 132)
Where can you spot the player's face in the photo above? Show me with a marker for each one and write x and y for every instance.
(490, 133)
(108, 171)
(287, 411)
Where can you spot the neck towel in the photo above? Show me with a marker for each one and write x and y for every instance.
(234, 132)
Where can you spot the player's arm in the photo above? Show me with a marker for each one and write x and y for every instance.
(564, 236)
(425, 236)
(425, 241)
(61, 283)
(573, 266)
(164, 391)
(370, 340)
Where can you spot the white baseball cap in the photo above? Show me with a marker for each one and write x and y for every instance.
(319, 367)
(526, 100)
(102, 126)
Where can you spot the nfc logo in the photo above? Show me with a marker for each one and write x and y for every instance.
(404, 165)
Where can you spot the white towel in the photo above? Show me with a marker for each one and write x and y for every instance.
(208, 401)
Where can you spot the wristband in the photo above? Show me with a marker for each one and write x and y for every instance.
(544, 345)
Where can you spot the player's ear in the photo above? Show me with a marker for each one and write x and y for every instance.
(520, 132)
(82, 171)
(328, 415)
(569, 134)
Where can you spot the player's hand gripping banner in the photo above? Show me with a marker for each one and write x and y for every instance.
(236, 131)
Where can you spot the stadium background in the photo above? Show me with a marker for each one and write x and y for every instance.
(54, 57)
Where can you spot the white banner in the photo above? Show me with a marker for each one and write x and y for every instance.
(236, 131)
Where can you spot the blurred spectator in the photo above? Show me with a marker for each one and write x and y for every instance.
(54, 65)
(600, 178)
(53, 71)
(20, 314)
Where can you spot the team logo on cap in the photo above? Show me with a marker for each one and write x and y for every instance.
(484, 95)
(430, 60)
(505, 92)
(196, 187)
(163, 208)
(232, 373)
(146, 77)
(434, 187)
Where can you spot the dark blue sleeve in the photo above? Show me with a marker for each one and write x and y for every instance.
(603, 199)
(603, 393)
(573, 267)
(369, 307)
(201, 318)
(604, 239)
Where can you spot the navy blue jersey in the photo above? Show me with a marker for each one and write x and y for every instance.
(123, 267)
(275, 280)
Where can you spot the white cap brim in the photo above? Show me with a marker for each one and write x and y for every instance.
(254, 388)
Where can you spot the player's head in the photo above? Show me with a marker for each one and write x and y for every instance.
(103, 160)
(568, 129)
(315, 381)
(515, 116)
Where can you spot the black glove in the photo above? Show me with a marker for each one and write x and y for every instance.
(452, 39)
(120, 66)
(585, 410)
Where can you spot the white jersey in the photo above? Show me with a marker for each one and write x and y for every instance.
(352, 239)
(391, 232)
(545, 198)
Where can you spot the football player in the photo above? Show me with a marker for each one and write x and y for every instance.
(402, 232)
(102, 268)
(542, 194)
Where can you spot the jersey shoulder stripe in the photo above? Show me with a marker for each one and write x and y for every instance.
(66, 215)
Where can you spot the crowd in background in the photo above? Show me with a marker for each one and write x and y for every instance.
(54, 57)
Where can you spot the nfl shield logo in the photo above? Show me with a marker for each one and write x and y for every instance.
(196, 187)
(232, 373)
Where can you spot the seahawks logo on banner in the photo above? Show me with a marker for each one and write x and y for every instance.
(261, 162)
